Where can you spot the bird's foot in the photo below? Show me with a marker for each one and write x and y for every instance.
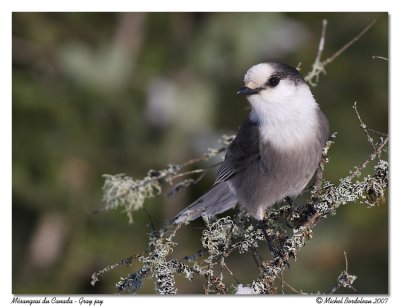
(282, 260)
(289, 213)
(277, 253)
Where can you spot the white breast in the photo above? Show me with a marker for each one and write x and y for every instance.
(287, 115)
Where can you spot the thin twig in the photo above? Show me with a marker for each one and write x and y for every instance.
(336, 287)
(257, 258)
(379, 57)
(318, 67)
(204, 157)
(196, 255)
(153, 228)
(345, 279)
(284, 283)
(370, 158)
(346, 46)
(347, 263)
(376, 132)
(124, 262)
(322, 41)
(187, 173)
(229, 271)
(364, 127)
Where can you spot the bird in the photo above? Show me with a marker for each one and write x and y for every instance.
(276, 151)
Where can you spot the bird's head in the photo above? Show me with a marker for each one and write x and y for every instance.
(277, 87)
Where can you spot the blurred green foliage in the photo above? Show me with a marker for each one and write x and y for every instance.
(97, 93)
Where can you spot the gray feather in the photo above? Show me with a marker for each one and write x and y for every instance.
(283, 174)
(242, 152)
(217, 200)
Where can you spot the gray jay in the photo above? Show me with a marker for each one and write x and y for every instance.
(277, 149)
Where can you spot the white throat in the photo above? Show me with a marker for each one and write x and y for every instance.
(287, 118)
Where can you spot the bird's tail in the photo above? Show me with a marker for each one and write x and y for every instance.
(219, 199)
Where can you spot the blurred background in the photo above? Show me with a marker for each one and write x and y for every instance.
(97, 93)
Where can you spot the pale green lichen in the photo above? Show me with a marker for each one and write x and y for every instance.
(121, 191)
(223, 236)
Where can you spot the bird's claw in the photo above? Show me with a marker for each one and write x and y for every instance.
(282, 260)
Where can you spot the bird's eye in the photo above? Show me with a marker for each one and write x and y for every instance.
(273, 82)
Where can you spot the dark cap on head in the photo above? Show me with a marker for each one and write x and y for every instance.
(284, 71)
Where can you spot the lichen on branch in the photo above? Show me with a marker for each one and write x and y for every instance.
(287, 228)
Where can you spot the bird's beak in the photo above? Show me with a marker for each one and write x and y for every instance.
(245, 91)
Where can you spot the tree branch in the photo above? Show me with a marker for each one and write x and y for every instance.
(319, 66)
(222, 237)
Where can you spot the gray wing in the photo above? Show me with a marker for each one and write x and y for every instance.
(217, 200)
(323, 134)
(243, 151)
